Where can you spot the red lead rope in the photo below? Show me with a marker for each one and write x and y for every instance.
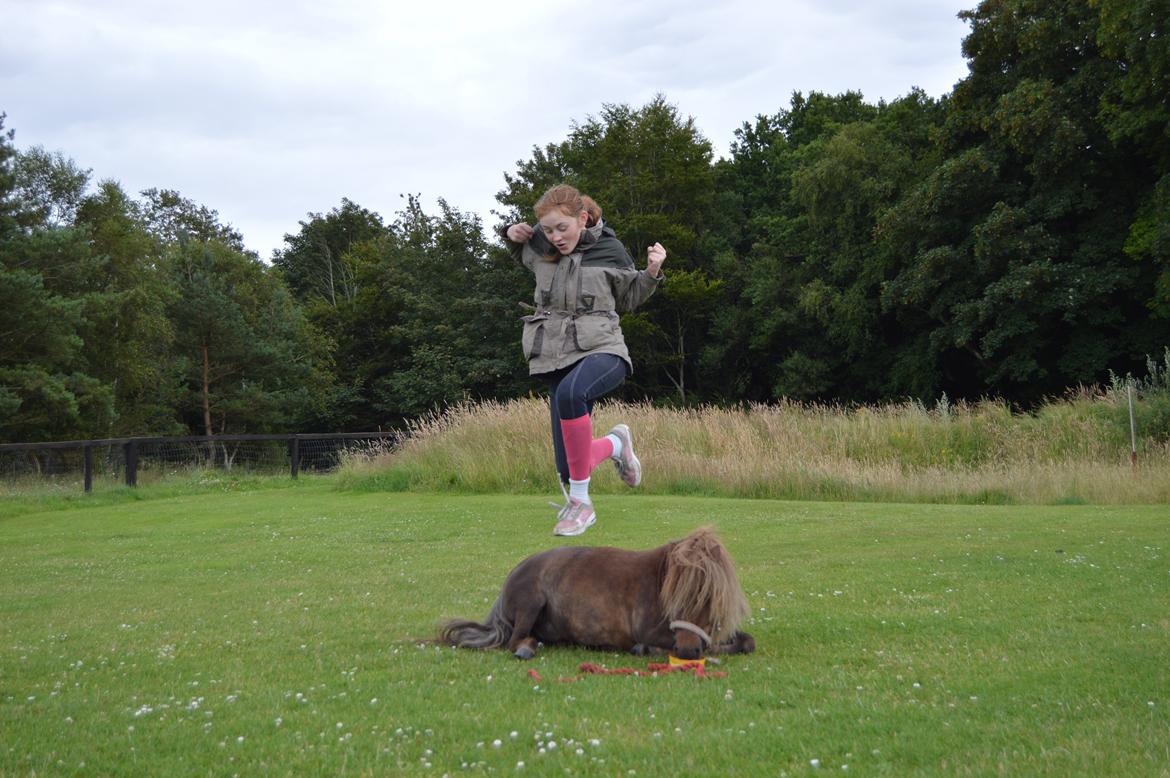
(653, 669)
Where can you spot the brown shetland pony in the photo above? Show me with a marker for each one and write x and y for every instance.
(683, 598)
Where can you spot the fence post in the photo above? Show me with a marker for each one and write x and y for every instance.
(294, 454)
(87, 455)
(131, 462)
(1132, 428)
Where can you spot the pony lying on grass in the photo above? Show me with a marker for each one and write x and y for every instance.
(682, 598)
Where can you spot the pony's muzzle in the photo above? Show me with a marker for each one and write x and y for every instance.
(690, 640)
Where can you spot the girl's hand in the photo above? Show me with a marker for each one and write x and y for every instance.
(655, 256)
(520, 233)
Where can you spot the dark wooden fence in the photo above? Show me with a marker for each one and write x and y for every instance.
(272, 453)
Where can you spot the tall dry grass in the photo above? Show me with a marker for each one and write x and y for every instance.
(1069, 451)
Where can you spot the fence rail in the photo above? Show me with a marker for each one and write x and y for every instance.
(127, 456)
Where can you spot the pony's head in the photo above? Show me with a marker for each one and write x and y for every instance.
(701, 596)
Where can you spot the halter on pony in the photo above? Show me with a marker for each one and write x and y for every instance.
(689, 627)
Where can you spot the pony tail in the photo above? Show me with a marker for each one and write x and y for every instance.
(591, 208)
(471, 634)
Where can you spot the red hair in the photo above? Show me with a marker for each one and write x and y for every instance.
(570, 202)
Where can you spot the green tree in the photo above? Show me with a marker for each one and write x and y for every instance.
(1014, 246)
(49, 186)
(127, 333)
(10, 207)
(804, 190)
(249, 360)
(317, 262)
(44, 392)
(683, 313)
(324, 265)
(172, 218)
(435, 320)
(1135, 35)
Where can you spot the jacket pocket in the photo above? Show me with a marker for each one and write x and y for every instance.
(532, 340)
(595, 330)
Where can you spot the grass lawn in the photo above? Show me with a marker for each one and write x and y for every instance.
(282, 631)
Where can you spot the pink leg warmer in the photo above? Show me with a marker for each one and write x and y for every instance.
(583, 452)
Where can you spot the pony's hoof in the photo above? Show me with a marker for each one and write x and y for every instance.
(524, 652)
(741, 643)
(638, 650)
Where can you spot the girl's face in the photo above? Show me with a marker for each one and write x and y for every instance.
(563, 231)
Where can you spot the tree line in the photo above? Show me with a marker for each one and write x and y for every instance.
(1009, 239)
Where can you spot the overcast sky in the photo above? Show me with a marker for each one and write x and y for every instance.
(266, 111)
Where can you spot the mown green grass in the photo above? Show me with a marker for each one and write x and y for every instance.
(282, 631)
(36, 495)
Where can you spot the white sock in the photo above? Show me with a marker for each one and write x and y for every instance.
(617, 446)
(579, 490)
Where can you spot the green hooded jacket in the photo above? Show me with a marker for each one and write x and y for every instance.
(578, 298)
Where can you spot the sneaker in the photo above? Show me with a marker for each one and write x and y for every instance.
(578, 517)
(629, 469)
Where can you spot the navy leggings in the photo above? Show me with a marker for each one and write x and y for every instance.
(572, 390)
